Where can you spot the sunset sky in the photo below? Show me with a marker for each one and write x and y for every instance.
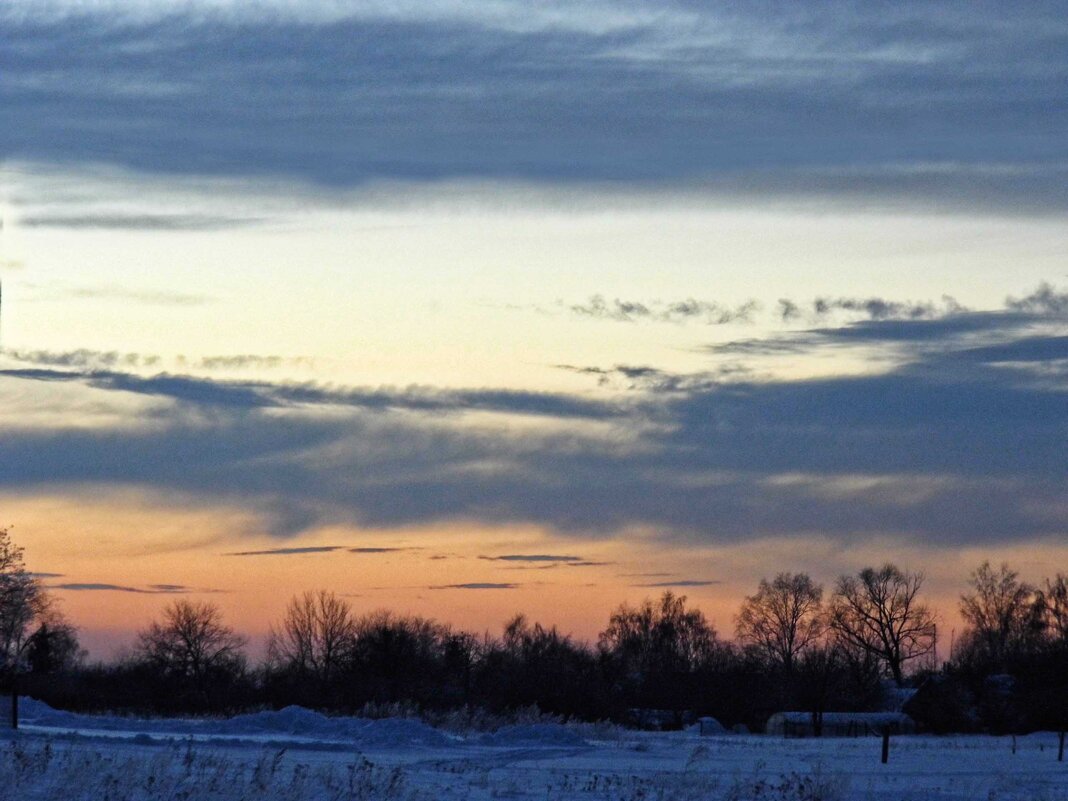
(470, 308)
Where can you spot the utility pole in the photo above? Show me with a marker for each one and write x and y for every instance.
(934, 648)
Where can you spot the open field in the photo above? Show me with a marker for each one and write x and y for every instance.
(295, 754)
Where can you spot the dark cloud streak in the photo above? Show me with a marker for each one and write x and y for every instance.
(476, 585)
(629, 311)
(134, 222)
(534, 557)
(154, 589)
(296, 551)
(252, 395)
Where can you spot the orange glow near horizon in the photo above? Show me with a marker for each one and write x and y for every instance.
(138, 544)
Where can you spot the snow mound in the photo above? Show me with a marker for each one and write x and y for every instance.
(290, 720)
(707, 726)
(533, 734)
(400, 731)
(301, 722)
(294, 721)
(38, 712)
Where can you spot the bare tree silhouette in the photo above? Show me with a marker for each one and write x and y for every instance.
(879, 613)
(192, 642)
(316, 636)
(782, 619)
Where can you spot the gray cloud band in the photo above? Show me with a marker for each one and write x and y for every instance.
(875, 110)
(959, 444)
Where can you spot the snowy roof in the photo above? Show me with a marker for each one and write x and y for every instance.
(895, 698)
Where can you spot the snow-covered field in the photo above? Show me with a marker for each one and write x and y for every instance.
(296, 754)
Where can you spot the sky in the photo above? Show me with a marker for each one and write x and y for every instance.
(464, 309)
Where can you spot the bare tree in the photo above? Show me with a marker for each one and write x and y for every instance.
(398, 655)
(53, 646)
(783, 618)
(22, 602)
(878, 612)
(1002, 612)
(315, 637)
(192, 642)
(661, 637)
(1054, 607)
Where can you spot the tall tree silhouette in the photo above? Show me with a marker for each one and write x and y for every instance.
(782, 619)
(879, 612)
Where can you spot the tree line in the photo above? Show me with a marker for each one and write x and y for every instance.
(792, 649)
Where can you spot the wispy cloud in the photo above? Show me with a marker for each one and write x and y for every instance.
(152, 589)
(588, 563)
(680, 583)
(476, 585)
(293, 551)
(259, 394)
(787, 310)
(84, 359)
(87, 359)
(532, 557)
(150, 297)
(542, 561)
(1044, 301)
(916, 324)
(629, 311)
(655, 574)
(652, 379)
(246, 361)
(135, 222)
(872, 308)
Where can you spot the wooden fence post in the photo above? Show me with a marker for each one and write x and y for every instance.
(886, 744)
(1060, 749)
(14, 702)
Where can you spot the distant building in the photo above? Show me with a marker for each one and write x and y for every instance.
(707, 726)
(840, 724)
(660, 719)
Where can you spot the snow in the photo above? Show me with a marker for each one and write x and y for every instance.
(292, 720)
(388, 732)
(297, 754)
(544, 734)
